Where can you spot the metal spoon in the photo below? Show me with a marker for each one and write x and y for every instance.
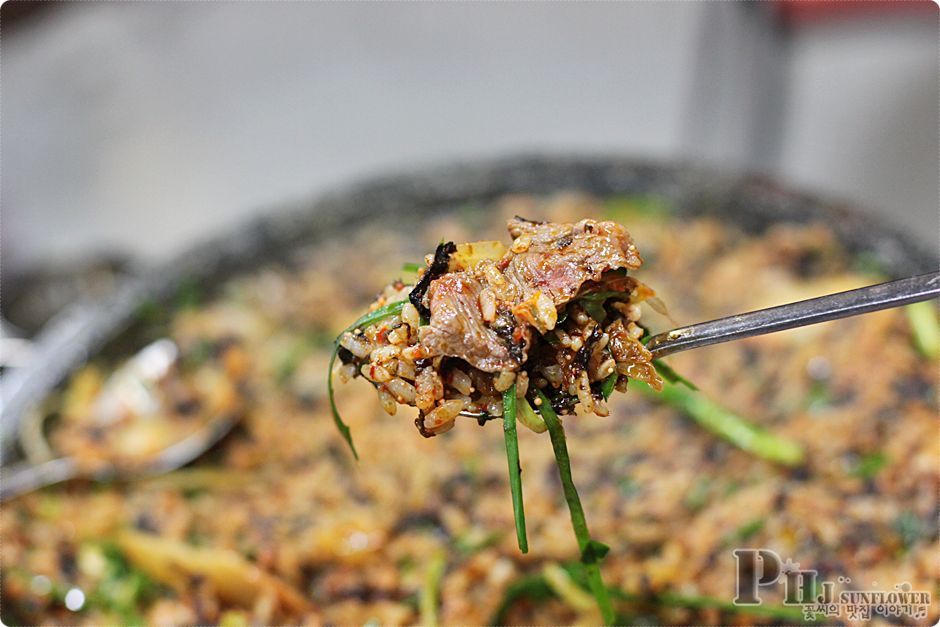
(26, 477)
(798, 314)
(131, 386)
(790, 316)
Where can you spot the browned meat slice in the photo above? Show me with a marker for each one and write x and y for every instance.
(457, 328)
(544, 269)
(557, 259)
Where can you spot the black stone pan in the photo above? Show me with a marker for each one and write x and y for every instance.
(752, 202)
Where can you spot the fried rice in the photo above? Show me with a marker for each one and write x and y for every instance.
(277, 524)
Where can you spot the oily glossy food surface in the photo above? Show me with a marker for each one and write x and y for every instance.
(279, 525)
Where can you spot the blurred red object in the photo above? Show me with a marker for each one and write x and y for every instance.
(801, 12)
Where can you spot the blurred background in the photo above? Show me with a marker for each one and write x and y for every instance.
(131, 130)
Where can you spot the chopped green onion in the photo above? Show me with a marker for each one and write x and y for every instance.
(515, 470)
(870, 465)
(188, 294)
(410, 266)
(666, 372)
(632, 207)
(818, 398)
(337, 419)
(870, 264)
(735, 429)
(607, 387)
(789, 615)
(594, 303)
(745, 532)
(698, 494)
(528, 417)
(476, 540)
(533, 587)
(563, 585)
(431, 589)
(592, 551)
(387, 311)
(925, 327)
(536, 588)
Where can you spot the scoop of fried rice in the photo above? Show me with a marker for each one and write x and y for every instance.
(554, 311)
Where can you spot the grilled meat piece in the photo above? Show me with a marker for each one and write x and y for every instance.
(545, 268)
(457, 328)
(557, 259)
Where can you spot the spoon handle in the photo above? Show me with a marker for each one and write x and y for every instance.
(24, 477)
(798, 314)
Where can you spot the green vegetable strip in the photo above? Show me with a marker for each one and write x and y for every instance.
(515, 470)
(591, 550)
(410, 266)
(341, 426)
(566, 588)
(533, 587)
(666, 372)
(386, 311)
(925, 327)
(593, 303)
(392, 309)
(728, 425)
(431, 589)
(536, 588)
(528, 417)
(787, 614)
(601, 297)
(607, 387)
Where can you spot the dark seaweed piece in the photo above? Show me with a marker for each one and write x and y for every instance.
(145, 522)
(584, 353)
(505, 328)
(422, 429)
(562, 402)
(439, 267)
(564, 241)
(68, 563)
(345, 356)
(187, 406)
(425, 519)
